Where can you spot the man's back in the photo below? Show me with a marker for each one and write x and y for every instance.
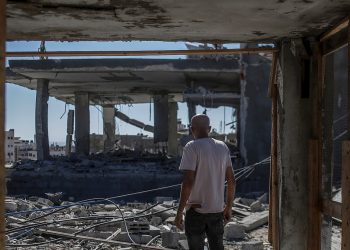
(209, 158)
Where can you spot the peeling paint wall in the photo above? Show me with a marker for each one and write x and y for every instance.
(182, 20)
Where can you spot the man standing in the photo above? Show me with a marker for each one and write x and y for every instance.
(206, 164)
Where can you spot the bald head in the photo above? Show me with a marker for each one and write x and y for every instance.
(200, 121)
(200, 126)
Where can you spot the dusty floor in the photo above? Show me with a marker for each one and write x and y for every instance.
(48, 223)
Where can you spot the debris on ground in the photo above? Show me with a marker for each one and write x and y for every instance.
(105, 224)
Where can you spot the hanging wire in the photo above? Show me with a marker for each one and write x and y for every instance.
(65, 110)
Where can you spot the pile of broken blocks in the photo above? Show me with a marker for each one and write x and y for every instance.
(48, 223)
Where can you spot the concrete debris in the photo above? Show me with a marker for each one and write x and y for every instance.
(117, 170)
(34, 222)
(139, 239)
(171, 239)
(255, 220)
(253, 245)
(264, 198)
(156, 221)
(11, 206)
(164, 215)
(233, 231)
(256, 206)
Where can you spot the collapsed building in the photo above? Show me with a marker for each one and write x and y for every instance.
(208, 82)
(306, 86)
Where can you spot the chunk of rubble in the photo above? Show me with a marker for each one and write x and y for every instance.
(110, 207)
(154, 231)
(156, 221)
(234, 231)
(253, 245)
(171, 239)
(139, 239)
(11, 206)
(256, 206)
(264, 198)
(170, 220)
(165, 214)
(255, 220)
(45, 202)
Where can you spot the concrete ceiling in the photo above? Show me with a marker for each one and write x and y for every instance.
(112, 81)
(168, 20)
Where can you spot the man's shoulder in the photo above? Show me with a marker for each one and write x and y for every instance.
(189, 145)
(221, 143)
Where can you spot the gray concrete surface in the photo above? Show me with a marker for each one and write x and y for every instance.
(294, 114)
(255, 119)
(82, 123)
(194, 20)
(41, 119)
(108, 127)
(129, 80)
(161, 112)
(172, 129)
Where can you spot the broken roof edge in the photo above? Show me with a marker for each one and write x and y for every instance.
(137, 64)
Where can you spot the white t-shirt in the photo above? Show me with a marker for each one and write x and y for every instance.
(209, 158)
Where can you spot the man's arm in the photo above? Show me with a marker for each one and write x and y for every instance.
(231, 183)
(186, 188)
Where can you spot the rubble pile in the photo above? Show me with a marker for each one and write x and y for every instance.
(118, 170)
(49, 223)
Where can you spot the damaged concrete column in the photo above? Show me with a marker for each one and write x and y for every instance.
(70, 131)
(172, 130)
(160, 118)
(108, 127)
(254, 118)
(294, 132)
(82, 123)
(41, 119)
(191, 110)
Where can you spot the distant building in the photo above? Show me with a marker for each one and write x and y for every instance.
(9, 146)
(24, 149)
(17, 149)
(57, 151)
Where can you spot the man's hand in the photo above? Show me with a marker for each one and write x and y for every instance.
(227, 214)
(179, 221)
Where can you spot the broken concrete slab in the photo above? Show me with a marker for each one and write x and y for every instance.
(255, 220)
(164, 215)
(170, 220)
(256, 206)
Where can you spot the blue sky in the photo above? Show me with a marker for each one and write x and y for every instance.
(20, 102)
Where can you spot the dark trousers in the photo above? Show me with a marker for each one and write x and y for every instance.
(198, 225)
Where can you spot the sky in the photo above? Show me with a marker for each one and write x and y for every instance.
(20, 101)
